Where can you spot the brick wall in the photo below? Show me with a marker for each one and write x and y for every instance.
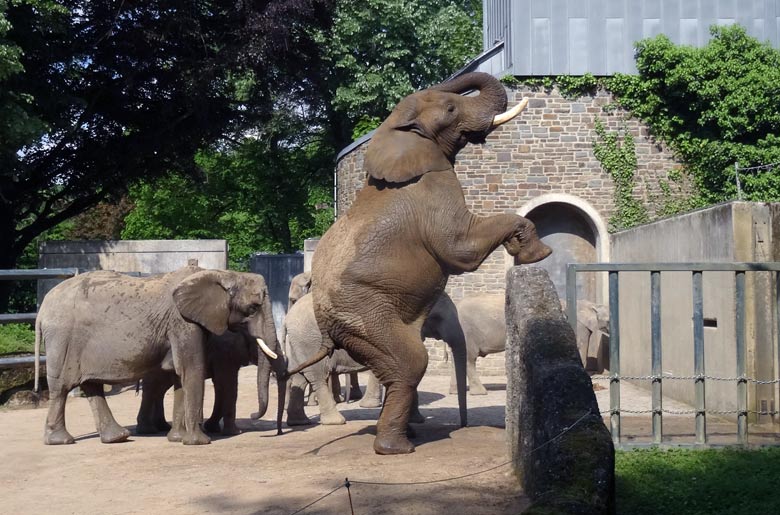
(547, 149)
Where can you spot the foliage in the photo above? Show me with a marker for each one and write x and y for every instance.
(94, 95)
(16, 338)
(618, 158)
(714, 105)
(698, 482)
(261, 194)
(570, 86)
(379, 51)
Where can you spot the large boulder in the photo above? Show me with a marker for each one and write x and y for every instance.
(560, 448)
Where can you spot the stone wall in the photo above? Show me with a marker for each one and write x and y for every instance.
(548, 149)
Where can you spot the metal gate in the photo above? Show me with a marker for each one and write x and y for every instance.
(699, 374)
(278, 271)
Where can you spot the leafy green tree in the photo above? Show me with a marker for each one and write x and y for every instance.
(715, 106)
(379, 51)
(96, 94)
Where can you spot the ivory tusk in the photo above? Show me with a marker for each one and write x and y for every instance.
(268, 352)
(508, 115)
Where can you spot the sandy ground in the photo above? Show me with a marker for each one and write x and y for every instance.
(259, 472)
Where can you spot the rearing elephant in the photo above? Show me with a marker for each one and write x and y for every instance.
(379, 269)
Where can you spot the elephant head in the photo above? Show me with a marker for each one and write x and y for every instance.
(428, 128)
(219, 300)
(299, 286)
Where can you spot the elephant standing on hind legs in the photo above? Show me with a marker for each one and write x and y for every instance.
(108, 328)
(379, 269)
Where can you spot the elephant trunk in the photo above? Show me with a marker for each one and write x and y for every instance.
(490, 102)
(270, 355)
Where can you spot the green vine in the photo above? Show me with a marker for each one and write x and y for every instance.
(617, 154)
(570, 86)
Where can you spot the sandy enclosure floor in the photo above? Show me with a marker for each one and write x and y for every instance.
(259, 472)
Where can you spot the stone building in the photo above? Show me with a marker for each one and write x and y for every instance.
(542, 164)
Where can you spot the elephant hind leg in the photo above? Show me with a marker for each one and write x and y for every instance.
(55, 432)
(110, 431)
(296, 416)
(475, 385)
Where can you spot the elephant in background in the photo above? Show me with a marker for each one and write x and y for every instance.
(593, 335)
(108, 328)
(225, 355)
(378, 271)
(483, 323)
(299, 286)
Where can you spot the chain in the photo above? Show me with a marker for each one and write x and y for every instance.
(699, 377)
(688, 412)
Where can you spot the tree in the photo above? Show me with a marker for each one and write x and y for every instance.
(379, 51)
(715, 106)
(94, 95)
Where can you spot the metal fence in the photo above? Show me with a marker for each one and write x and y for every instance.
(700, 376)
(28, 318)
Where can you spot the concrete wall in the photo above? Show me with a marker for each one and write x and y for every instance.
(736, 231)
(142, 256)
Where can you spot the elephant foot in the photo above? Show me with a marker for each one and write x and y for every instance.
(332, 419)
(58, 437)
(295, 421)
(311, 401)
(229, 429)
(174, 435)
(196, 437)
(212, 426)
(370, 403)
(162, 426)
(392, 443)
(355, 393)
(533, 252)
(477, 390)
(254, 415)
(410, 432)
(115, 435)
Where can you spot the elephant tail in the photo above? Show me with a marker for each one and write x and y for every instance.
(36, 383)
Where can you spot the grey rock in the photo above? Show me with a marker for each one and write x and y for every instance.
(560, 448)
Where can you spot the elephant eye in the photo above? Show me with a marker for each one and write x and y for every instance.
(450, 108)
(252, 309)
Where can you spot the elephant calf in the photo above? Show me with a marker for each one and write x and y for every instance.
(108, 328)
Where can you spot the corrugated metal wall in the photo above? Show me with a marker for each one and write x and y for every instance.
(278, 271)
(572, 37)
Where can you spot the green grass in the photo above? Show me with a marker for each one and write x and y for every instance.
(16, 338)
(693, 482)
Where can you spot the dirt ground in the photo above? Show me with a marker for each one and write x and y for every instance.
(259, 472)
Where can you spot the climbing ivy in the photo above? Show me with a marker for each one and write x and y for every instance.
(617, 154)
(570, 86)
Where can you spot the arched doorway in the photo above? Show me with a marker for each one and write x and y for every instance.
(577, 234)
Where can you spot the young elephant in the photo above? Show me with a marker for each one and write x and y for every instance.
(108, 328)
(225, 355)
(482, 320)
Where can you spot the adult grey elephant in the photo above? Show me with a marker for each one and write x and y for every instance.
(378, 271)
(108, 328)
(483, 323)
(225, 355)
(304, 338)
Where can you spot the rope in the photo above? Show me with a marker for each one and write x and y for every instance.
(318, 500)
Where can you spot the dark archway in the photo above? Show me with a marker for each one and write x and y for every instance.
(572, 236)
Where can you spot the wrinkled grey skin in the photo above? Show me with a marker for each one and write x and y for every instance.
(593, 335)
(378, 271)
(225, 355)
(482, 320)
(304, 338)
(108, 328)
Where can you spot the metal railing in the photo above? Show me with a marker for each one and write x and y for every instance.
(28, 318)
(655, 269)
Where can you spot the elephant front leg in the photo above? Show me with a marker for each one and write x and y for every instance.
(110, 431)
(475, 384)
(177, 428)
(228, 404)
(192, 384)
(317, 375)
(373, 396)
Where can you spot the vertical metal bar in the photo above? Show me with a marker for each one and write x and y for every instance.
(571, 295)
(657, 371)
(742, 393)
(698, 357)
(614, 356)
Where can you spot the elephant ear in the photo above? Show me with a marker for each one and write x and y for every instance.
(398, 154)
(201, 298)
